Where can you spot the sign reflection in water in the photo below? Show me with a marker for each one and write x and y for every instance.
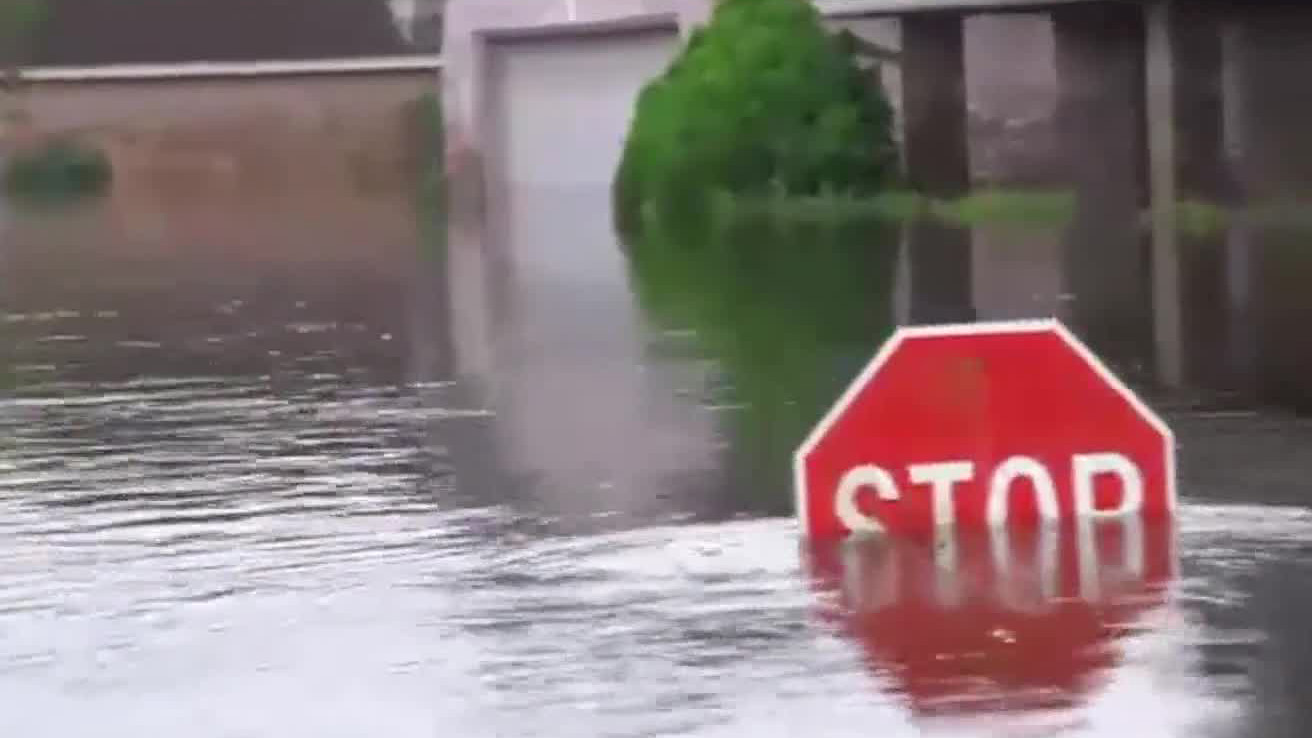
(992, 622)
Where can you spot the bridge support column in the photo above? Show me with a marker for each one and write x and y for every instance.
(1192, 304)
(1101, 122)
(937, 162)
(1273, 62)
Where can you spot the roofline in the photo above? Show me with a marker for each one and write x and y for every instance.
(633, 23)
(838, 9)
(242, 69)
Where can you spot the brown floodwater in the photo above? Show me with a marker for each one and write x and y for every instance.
(269, 466)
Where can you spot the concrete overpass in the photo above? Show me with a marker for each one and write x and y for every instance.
(836, 8)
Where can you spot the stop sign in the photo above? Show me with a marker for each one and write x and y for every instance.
(985, 424)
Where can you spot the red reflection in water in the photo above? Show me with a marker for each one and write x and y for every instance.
(985, 623)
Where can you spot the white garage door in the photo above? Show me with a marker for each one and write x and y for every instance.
(578, 409)
(561, 106)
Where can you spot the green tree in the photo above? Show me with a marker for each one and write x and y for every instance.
(761, 100)
(60, 166)
(20, 20)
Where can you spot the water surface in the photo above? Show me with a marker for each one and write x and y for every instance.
(261, 476)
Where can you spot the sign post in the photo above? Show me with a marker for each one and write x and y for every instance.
(982, 425)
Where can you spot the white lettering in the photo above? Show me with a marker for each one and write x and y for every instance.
(942, 478)
(845, 499)
(1088, 466)
(1045, 492)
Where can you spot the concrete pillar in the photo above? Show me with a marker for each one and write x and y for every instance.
(1101, 141)
(1241, 323)
(1274, 63)
(1187, 159)
(1202, 175)
(1160, 76)
(937, 162)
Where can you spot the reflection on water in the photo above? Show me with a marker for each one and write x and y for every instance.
(999, 623)
(788, 312)
(590, 419)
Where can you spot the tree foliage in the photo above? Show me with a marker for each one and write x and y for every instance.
(761, 100)
(19, 22)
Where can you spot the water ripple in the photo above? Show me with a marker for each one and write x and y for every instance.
(177, 541)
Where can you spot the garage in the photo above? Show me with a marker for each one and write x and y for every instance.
(560, 105)
(580, 410)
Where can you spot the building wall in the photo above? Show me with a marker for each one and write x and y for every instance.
(303, 170)
(319, 132)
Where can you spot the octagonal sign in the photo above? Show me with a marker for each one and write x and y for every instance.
(982, 424)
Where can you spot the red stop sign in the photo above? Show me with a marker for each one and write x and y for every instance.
(985, 424)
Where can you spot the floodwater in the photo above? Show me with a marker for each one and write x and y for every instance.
(270, 468)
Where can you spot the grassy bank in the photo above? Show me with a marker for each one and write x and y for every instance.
(1022, 209)
(1008, 209)
(1199, 218)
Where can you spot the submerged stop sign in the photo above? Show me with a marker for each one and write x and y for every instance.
(985, 424)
